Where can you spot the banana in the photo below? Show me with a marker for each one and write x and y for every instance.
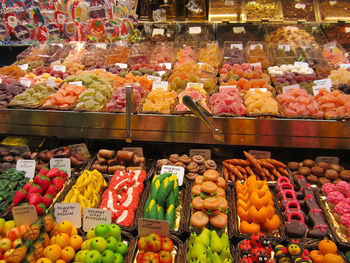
(80, 180)
(73, 199)
(88, 192)
(68, 196)
(87, 181)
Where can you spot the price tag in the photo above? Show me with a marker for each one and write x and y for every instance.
(290, 87)
(76, 83)
(238, 30)
(347, 30)
(158, 31)
(0, 81)
(327, 159)
(316, 89)
(330, 45)
(193, 84)
(227, 87)
(195, 30)
(137, 150)
(258, 64)
(27, 166)
(68, 211)
(23, 66)
(94, 217)
(326, 83)
(161, 73)
(302, 65)
(160, 84)
(62, 164)
(284, 47)
(101, 45)
(150, 77)
(332, 2)
(167, 65)
(60, 68)
(260, 154)
(148, 226)
(24, 215)
(261, 89)
(121, 65)
(27, 83)
(179, 171)
(206, 153)
(239, 46)
(345, 66)
(229, 3)
(300, 6)
(252, 47)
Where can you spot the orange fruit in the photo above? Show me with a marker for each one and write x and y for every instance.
(43, 260)
(53, 252)
(74, 231)
(327, 246)
(333, 258)
(68, 254)
(65, 227)
(60, 261)
(75, 242)
(52, 240)
(62, 239)
(316, 256)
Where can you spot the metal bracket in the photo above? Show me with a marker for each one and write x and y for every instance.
(129, 109)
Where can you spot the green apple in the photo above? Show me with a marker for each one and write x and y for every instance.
(98, 243)
(108, 256)
(93, 256)
(122, 248)
(118, 258)
(115, 232)
(112, 244)
(102, 230)
(85, 245)
(79, 257)
(90, 234)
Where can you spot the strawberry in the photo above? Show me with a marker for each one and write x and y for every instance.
(52, 173)
(43, 170)
(40, 209)
(47, 200)
(58, 182)
(63, 174)
(23, 204)
(37, 178)
(51, 190)
(19, 197)
(34, 189)
(44, 182)
(34, 199)
(27, 186)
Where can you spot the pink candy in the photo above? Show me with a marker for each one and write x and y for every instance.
(228, 100)
(328, 188)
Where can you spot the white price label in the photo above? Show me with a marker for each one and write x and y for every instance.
(229, 3)
(23, 66)
(332, 2)
(76, 83)
(147, 226)
(150, 77)
(195, 30)
(316, 89)
(121, 65)
(95, 216)
(284, 47)
(258, 64)
(344, 66)
(60, 68)
(327, 83)
(24, 215)
(101, 45)
(62, 164)
(330, 45)
(167, 65)
(239, 46)
(300, 6)
(290, 87)
(160, 84)
(302, 65)
(261, 89)
(158, 31)
(68, 211)
(27, 166)
(238, 30)
(25, 82)
(347, 29)
(179, 171)
(227, 87)
(193, 84)
(255, 46)
(161, 73)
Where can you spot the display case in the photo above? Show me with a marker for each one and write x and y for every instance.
(225, 10)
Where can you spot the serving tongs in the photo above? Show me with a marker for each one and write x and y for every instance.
(198, 110)
(130, 107)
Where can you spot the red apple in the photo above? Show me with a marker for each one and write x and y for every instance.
(150, 257)
(140, 256)
(154, 242)
(167, 244)
(141, 244)
(165, 257)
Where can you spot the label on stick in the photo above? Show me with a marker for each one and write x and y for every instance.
(27, 166)
(68, 211)
(148, 226)
(195, 30)
(62, 164)
(95, 216)
(24, 215)
(179, 171)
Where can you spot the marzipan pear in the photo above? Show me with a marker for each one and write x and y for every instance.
(197, 249)
(215, 242)
(216, 258)
(205, 236)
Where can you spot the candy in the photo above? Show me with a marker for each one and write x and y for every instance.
(245, 70)
(118, 100)
(260, 102)
(185, 54)
(33, 96)
(333, 104)
(210, 54)
(257, 10)
(256, 53)
(159, 100)
(228, 100)
(197, 93)
(335, 57)
(145, 83)
(12, 70)
(244, 84)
